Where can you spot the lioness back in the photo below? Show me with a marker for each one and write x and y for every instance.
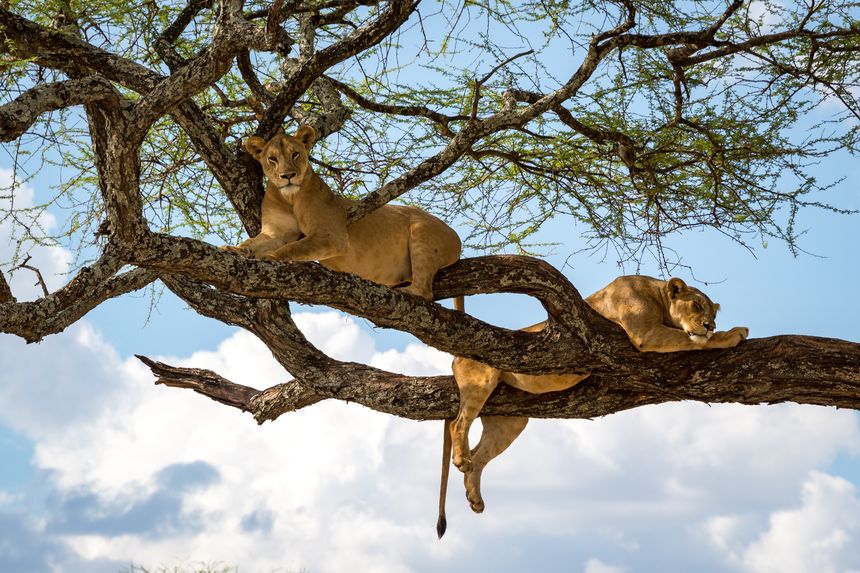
(383, 243)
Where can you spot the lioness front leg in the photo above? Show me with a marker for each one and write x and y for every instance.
(476, 382)
(257, 246)
(728, 339)
(317, 247)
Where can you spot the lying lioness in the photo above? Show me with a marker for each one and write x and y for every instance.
(303, 220)
(658, 316)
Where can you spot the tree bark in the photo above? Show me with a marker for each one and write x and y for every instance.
(800, 369)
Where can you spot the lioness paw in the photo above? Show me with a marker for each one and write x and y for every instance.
(244, 251)
(271, 256)
(473, 495)
(741, 331)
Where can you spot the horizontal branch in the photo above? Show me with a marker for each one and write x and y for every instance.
(311, 283)
(800, 369)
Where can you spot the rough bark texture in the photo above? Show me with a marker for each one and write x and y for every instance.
(800, 369)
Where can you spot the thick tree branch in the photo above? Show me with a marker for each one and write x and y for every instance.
(117, 161)
(317, 375)
(311, 283)
(69, 53)
(18, 115)
(800, 369)
(203, 382)
(93, 285)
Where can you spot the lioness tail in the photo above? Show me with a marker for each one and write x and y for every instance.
(442, 522)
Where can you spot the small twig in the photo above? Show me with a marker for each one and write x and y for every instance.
(41, 282)
(484, 80)
(478, 83)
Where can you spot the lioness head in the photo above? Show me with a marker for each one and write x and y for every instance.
(284, 158)
(691, 310)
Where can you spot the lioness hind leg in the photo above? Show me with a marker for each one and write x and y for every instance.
(428, 252)
(498, 433)
(476, 382)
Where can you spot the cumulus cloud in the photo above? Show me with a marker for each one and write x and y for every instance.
(597, 566)
(118, 449)
(337, 487)
(823, 534)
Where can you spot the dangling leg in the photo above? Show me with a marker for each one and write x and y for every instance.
(476, 382)
(498, 433)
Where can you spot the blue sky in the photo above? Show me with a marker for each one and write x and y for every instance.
(100, 468)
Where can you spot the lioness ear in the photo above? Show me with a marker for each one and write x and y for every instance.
(675, 286)
(254, 145)
(306, 136)
(716, 307)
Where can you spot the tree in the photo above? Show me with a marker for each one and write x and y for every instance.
(659, 118)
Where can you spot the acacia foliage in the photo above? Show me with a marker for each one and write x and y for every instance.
(699, 114)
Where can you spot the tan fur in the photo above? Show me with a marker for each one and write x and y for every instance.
(658, 316)
(303, 220)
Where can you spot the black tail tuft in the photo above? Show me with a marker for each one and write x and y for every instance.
(441, 526)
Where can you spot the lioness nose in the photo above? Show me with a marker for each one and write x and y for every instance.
(289, 175)
(710, 325)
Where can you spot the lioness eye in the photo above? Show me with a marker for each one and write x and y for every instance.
(273, 159)
(697, 306)
(295, 155)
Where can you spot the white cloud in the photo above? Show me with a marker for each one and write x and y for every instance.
(597, 566)
(822, 535)
(52, 262)
(286, 492)
(663, 464)
(415, 360)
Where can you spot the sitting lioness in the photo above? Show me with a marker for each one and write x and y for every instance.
(658, 316)
(303, 220)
